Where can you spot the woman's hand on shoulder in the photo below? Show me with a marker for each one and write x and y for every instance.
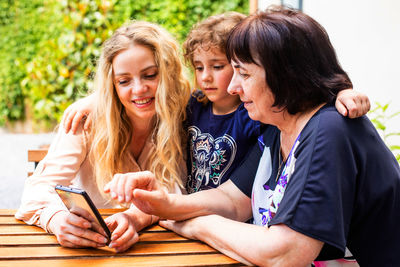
(352, 103)
(74, 231)
(123, 229)
(77, 112)
(142, 189)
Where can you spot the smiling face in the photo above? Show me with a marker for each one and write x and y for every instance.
(135, 77)
(213, 75)
(249, 83)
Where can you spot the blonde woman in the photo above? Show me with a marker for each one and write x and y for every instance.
(139, 105)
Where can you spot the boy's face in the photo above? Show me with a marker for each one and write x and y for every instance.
(213, 75)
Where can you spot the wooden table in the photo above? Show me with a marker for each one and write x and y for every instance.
(28, 246)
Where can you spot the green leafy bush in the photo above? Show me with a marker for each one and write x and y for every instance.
(49, 47)
(23, 24)
(381, 117)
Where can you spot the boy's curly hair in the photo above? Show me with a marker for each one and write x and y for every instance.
(211, 32)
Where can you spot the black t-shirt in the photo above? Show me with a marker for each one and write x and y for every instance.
(217, 144)
(344, 188)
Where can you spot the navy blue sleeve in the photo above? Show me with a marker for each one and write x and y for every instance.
(243, 176)
(344, 190)
(319, 199)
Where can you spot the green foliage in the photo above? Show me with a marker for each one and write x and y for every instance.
(21, 32)
(49, 47)
(61, 72)
(380, 117)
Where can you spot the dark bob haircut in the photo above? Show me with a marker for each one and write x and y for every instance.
(300, 63)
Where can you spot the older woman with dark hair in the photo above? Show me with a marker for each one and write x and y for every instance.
(316, 182)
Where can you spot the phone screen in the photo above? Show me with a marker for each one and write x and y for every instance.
(78, 202)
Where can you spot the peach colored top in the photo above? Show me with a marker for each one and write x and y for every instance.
(67, 164)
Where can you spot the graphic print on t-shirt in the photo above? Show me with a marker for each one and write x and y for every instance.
(261, 197)
(267, 195)
(211, 158)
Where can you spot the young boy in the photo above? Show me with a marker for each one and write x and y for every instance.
(219, 129)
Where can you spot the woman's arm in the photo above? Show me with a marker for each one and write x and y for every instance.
(278, 245)
(40, 204)
(60, 166)
(146, 193)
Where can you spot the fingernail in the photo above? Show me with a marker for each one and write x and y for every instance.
(113, 195)
(120, 198)
(111, 245)
(102, 240)
(114, 237)
(127, 199)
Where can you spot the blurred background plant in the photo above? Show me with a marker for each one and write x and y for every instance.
(381, 117)
(49, 48)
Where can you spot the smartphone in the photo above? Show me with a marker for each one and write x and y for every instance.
(78, 202)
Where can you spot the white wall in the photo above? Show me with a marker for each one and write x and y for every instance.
(366, 36)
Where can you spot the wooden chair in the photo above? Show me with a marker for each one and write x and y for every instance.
(36, 155)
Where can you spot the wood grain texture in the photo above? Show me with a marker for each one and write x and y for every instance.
(137, 261)
(47, 239)
(27, 245)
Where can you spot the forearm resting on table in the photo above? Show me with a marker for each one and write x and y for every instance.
(275, 246)
(140, 219)
(226, 200)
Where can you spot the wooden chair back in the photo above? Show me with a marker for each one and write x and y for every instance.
(35, 156)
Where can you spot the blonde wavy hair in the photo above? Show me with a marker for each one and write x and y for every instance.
(112, 131)
(210, 33)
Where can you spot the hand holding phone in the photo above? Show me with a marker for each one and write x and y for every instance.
(78, 202)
